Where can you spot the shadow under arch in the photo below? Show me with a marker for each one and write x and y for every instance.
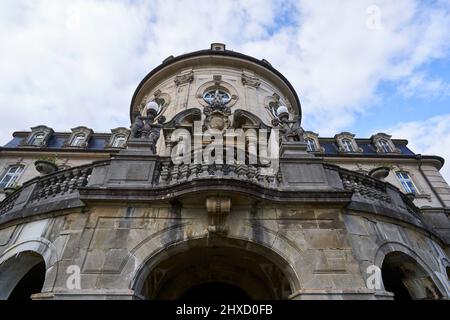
(18, 260)
(221, 262)
(406, 273)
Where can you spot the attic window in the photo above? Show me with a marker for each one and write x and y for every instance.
(310, 144)
(384, 145)
(347, 144)
(37, 139)
(78, 140)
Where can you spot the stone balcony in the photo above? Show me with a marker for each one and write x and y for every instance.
(148, 178)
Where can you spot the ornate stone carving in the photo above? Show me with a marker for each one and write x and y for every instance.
(217, 114)
(145, 128)
(218, 209)
(217, 79)
(290, 130)
(184, 78)
(250, 81)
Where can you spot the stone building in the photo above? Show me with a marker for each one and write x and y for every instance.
(124, 215)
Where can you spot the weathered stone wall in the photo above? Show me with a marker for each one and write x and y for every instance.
(327, 250)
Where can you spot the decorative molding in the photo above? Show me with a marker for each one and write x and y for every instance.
(217, 79)
(184, 78)
(218, 209)
(250, 81)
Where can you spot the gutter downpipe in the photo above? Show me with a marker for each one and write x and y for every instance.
(419, 158)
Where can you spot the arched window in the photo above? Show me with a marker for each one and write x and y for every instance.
(311, 145)
(10, 176)
(37, 139)
(78, 140)
(406, 182)
(119, 141)
(384, 145)
(347, 145)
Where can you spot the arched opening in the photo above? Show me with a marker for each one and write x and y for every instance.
(215, 269)
(22, 276)
(407, 279)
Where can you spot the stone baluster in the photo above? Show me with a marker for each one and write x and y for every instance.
(164, 175)
(242, 171)
(204, 172)
(193, 169)
(174, 174)
(184, 171)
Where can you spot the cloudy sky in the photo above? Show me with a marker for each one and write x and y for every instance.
(359, 66)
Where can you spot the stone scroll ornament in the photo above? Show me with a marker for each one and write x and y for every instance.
(148, 127)
(290, 130)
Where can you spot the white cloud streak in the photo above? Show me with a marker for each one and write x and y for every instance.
(431, 136)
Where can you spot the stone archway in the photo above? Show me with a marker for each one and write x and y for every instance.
(21, 276)
(215, 268)
(406, 278)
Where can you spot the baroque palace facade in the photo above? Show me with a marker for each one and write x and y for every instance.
(86, 215)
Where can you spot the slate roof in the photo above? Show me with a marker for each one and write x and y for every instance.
(98, 142)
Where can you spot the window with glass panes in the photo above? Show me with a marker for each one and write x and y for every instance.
(347, 144)
(384, 145)
(311, 145)
(406, 182)
(10, 177)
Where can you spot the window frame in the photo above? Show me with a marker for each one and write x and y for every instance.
(116, 138)
(384, 145)
(223, 93)
(14, 177)
(310, 145)
(33, 140)
(347, 145)
(404, 182)
(76, 139)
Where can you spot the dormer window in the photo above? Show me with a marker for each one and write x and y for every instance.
(384, 145)
(312, 142)
(37, 139)
(78, 140)
(310, 145)
(118, 138)
(347, 145)
(119, 141)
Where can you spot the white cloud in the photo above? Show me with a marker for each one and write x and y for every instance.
(418, 85)
(430, 137)
(70, 64)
